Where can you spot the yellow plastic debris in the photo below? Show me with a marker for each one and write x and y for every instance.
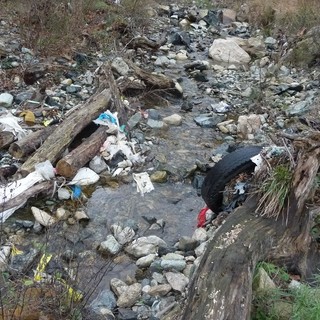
(29, 117)
(15, 251)
(45, 259)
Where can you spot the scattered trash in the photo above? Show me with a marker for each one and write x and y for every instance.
(41, 275)
(110, 120)
(76, 192)
(144, 184)
(202, 217)
(29, 117)
(84, 177)
(64, 194)
(9, 122)
(45, 169)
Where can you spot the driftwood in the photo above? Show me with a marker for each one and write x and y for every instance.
(152, 81)
(77, 158)
(222, 286)
(59, 140)
(6, 138)
(19, 201)
(30, 143)
(145, 43)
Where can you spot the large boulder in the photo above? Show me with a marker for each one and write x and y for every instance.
(227, 51)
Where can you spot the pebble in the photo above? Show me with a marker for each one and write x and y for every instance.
(6, 100)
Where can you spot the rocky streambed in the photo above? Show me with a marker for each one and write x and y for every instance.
(132, 255)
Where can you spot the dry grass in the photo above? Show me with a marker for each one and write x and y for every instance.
(290, 16)
(51, 27)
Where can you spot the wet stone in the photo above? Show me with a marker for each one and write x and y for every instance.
(209, 120)
(174, 120)
(105, 299)
(110, 246)
(127, 314)
(6, 100)
(159, 290)
(129, 297)
(20, 263)
(177, 281)
(178, 265)
(146, 261)
(187, 243)
(200, 235)
(159, 176)
(24, 223)
(118, 286)
(144, 246)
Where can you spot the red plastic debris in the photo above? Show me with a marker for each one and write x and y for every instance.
(202, 217)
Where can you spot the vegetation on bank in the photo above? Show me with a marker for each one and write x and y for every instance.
(50, 27)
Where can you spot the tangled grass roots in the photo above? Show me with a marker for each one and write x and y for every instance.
(277, 175)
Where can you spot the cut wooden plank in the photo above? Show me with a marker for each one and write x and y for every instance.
(59, 140)
(77, 158)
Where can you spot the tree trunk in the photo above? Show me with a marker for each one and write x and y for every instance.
(30, 143)
(222, 286)
(77, 158)
(63, 135)
(6, 138)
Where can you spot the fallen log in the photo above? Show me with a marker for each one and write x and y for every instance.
(222, 286)
(152, 80)
(62, 136)
(6, 138)
(30, 143)
(77, 158)
(145, 43)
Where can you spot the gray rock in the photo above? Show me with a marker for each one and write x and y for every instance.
(162, 61)
(229, 52)
(199, 251)
(248, 126)
(120, 66)
(104, 300)
(126, 314)
(155, 124)
(301, 107)
(110, 246)
(270, 42)
(177, 281)
(118, 286)
(20, 263)
(174, 120)
(159, 176)
(262, 281)
(146, 261)
(134, 120)
(97, 164)
(74, 88)
(25, 223)
(200, 235)
(122, 235)
(129, 297)
(172, 256)
(209, 120)
(144, 246)
(6, 100)
(159, 277)
(159, 290)
(154, 114)
(187, 243)
(178, 265)
(23, 96)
